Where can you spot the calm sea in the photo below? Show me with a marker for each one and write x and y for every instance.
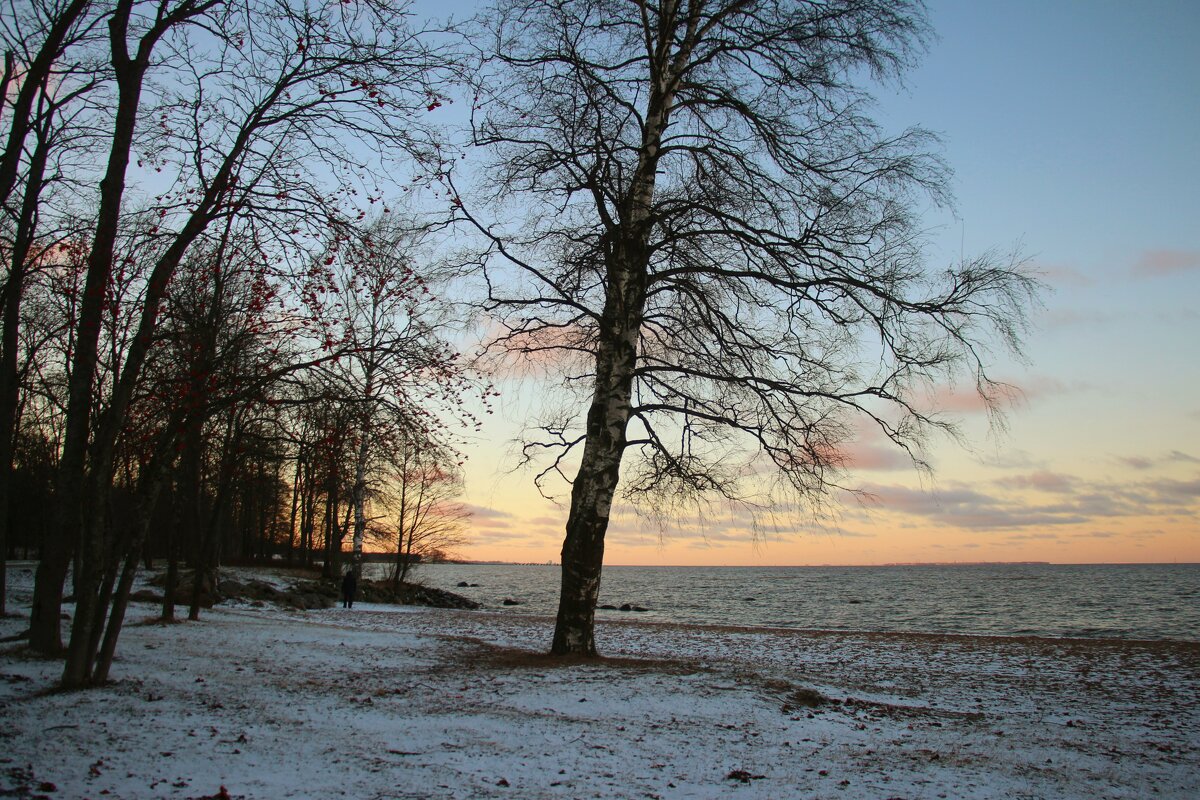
(1128, 601)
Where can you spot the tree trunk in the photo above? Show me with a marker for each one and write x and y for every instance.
(403, 525)
(591, 503)
(291, 546)
(616, 359)
(599, 470)
(170, 588)
(13, 291)
(118, 549)
(206, 575)
(402, 556)
(45, 618)
(74, 489)
(333, 542)
(116, 619)
(153, 478)
(183, 532)
(360, 500)
(80, 487)
(78, 525)
(627, 263)
(308, 516)
(342, 530)
(406, 561)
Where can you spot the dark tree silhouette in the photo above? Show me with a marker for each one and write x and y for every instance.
(277, 110)
(397, 367)
(424, 498)
(37, 96)
(722, 244)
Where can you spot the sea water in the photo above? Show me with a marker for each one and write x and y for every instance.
(1127, 601)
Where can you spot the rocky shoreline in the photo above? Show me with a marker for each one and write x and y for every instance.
(305, 595)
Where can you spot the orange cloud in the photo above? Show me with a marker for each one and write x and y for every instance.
(1012, 394)
(536, 351)
(1137, 462)
(1067, 277)
(972, 507)
(487, 514)
(1042, 481)
(1146, 462)
(868, 456)
(1158, 263)
(871, 450)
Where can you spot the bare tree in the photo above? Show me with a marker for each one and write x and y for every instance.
(274, 109)
(425, 492)
(397, 367)
(722, 245)
(37, 113)
(217, 358)
(35, 38)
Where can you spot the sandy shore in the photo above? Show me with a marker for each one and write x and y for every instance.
(376, 702)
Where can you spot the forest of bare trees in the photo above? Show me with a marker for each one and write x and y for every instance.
(218, 331)
(230, 229)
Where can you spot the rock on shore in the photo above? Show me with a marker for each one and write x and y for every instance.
(313, 594)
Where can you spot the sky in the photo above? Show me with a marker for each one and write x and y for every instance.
(1072, 129)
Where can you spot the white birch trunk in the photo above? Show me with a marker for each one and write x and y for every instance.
(359, 498)
(616, 360)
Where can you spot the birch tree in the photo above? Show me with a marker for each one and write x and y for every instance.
(398, 368)
(688, 202)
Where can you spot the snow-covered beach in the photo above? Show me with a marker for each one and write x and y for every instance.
(398, 702)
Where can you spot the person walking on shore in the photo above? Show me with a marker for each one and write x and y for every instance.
(349, 588)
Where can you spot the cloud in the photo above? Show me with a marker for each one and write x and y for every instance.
(1010, 393)
(486, 513)
(1011, 459)
(1174, 492)
(1042, 481)
(1136, 462)
(1095, 535)
(871, 450)
(1064, 276)
(491, 522)
(487, 535)
(962, 506)
(867, 456)
(1013, 508)
(1033, 537)
(1149, 462)
(715, 524)
(1037, 387)
(959, 401)
(537, 352)
(1159, 263)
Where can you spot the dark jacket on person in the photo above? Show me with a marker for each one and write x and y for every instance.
(349, 585)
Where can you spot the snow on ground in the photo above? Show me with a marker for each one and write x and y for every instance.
(380, 702)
